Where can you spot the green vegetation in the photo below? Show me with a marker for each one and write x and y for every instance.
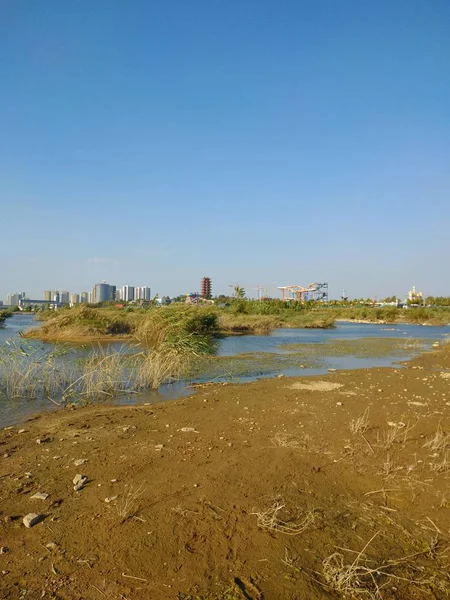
(179, 341)
(82, 323)
(192, 329)
(184, 328)
(5, 314)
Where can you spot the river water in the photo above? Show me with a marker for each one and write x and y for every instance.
(290, 352)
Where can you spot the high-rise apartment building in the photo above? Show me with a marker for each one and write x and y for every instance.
(127, 293)
(47, 295)
(64, 297)
(12, 299)
(142, 293)
(101, 291)
(15, 299)
(74, 299)
(205, 288)
(84, 297)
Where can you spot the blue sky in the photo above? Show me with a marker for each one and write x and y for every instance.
(260, 142)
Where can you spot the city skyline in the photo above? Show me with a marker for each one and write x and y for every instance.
(100, 292)
(104, 292)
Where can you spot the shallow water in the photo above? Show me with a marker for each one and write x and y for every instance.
(249, 357)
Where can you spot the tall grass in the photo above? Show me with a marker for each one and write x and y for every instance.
(63, 376)
(190, 330)
(81, 323)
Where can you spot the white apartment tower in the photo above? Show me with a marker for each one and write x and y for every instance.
(127, 293)
(142, 293)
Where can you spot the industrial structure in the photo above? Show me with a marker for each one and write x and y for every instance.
(205, 287)
(298, 293)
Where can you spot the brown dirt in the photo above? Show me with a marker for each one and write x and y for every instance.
(197, 513)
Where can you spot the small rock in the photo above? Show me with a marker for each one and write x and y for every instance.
(21, 431)
(332, 370)
(51, 546)
(4, 550)
(79, 481)
(188, 430)
(339, 404)
(158, 447)
(113, 480)
(280, 376)
(79, 478)
(43, 440)
(39, 496)
(110, 499)
(79, 462)
(33, 519)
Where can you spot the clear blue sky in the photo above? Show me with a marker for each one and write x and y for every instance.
(260, 142)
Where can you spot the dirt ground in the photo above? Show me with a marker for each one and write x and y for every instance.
(309, 488)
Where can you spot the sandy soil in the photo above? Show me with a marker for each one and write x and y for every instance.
(304, 488)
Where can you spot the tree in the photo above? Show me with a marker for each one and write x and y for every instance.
(5, 314)
(238, 291)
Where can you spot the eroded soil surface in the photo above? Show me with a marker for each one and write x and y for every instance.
(339, 488)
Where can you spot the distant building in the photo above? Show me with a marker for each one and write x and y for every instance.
(142, 293)
(415, 297)
(47, 296)
(12, 300)
(56, 297)
(127, 293)
(102, 292)
(205, 287)
(74, 299)
(64, 297)
(84, 297)
(15, 299)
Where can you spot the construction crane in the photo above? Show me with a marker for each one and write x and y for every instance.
(298, 293)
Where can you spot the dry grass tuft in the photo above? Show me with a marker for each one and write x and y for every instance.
(356, 579)
(127, 506)
(269, 520)
(397, 433)
(361, 424)
(283, 440)
(439, 442)
(442, 465)
(158, 367)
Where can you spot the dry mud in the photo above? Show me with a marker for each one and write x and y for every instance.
(278, 489)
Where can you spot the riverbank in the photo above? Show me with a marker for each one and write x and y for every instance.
(85, 324)
(285, 488)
